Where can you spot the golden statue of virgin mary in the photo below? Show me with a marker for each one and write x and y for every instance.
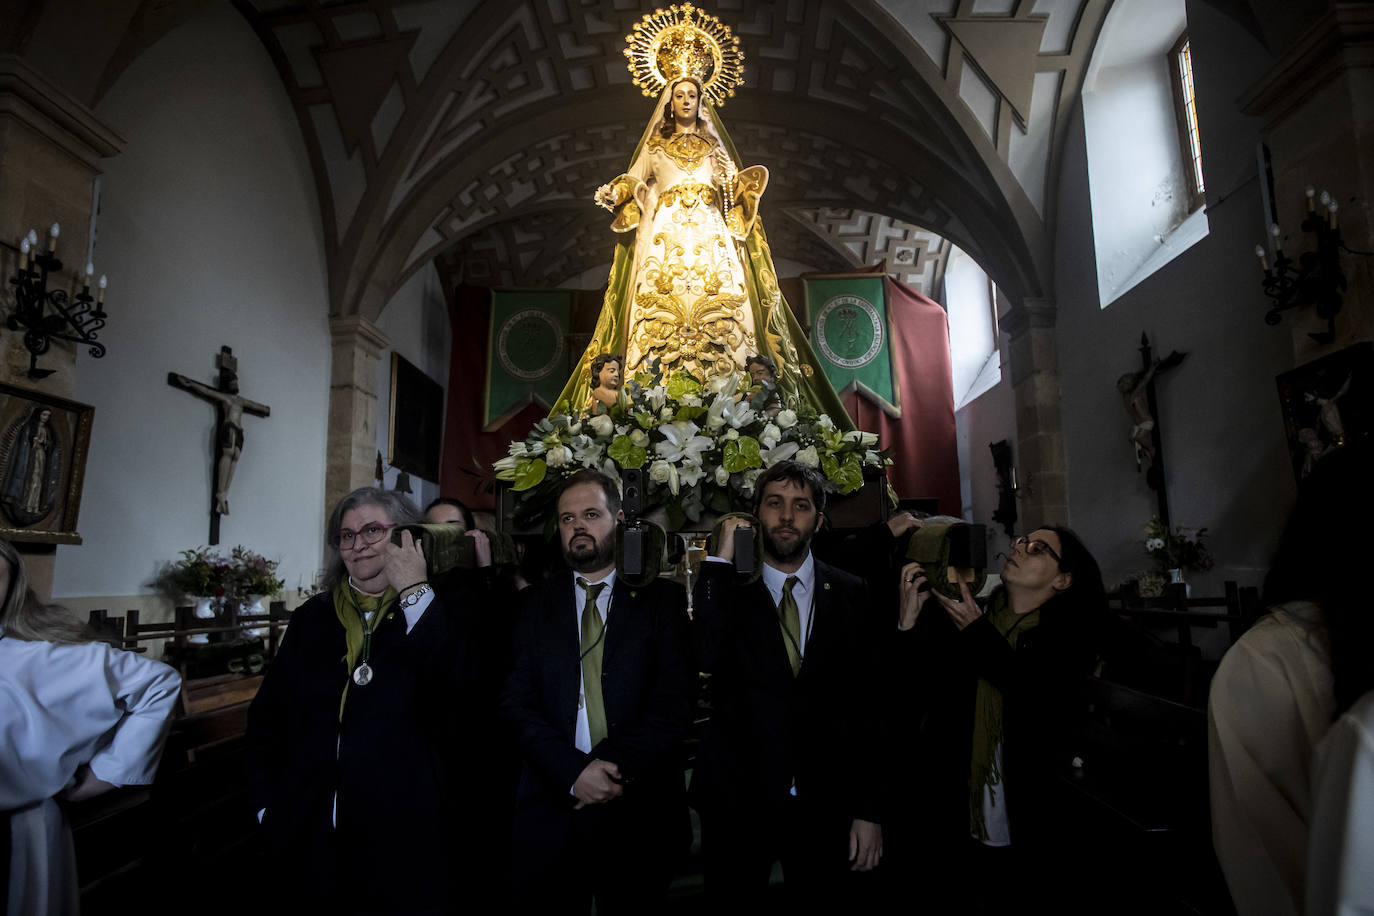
(692, 284)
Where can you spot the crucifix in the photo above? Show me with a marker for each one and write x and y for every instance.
(229, 409)
(1137, 391)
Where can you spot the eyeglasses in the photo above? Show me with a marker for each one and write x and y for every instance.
(370, 534)
(1033, 548)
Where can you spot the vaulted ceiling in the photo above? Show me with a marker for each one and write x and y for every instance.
(473, 134)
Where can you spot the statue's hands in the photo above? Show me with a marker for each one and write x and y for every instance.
(605, 197)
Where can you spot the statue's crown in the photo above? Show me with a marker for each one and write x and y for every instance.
(681, 41)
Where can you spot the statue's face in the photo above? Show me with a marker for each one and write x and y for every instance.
(685, 101)
(759, 373)
(610, 375)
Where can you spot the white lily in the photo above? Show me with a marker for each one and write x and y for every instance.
(680, 441)
(781, 452)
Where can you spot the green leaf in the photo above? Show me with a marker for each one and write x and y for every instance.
(741, 454)
(681, 384)
(676, 516)
(625, 453)
(530, 474)
(850, 475)
(688, 413)
(645, 419)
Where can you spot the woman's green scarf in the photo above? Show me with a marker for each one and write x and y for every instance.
(985, 772)
(351, 606)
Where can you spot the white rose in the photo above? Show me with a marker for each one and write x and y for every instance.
(808, 457)
(666, 414)
(602, 425)
(658, 472)
(731, 434)
(824, 422)
(722, 476)
(558, 456)
(770, 436)
(786, 418)
(640, 438)
(690, 400)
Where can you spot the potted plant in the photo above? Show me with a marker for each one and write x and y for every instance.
(1176, 551)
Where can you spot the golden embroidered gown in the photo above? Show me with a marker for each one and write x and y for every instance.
(693, 282)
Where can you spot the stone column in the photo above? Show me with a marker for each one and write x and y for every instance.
(1317, 103)
(1040, 466)
(50, 151)
(351, 459)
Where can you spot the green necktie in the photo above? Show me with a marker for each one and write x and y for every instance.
(592, 646)
(789, 618)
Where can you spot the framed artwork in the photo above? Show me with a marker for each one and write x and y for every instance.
(1328, 404)
(416, 428)
(43, 445)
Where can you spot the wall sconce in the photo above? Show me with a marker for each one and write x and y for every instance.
(1315, 277)
(45, 314)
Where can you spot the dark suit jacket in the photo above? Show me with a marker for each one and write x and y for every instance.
(648, 687)
(393, 760)
(767, 727)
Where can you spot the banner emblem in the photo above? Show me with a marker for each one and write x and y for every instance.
(849, 331)
(530, 344)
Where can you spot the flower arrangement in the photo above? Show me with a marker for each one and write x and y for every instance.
(198, 572)
(204, 572)
(702, 446)
(254, 574)
(1175, 549)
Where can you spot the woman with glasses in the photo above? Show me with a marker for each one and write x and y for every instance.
(352, 737)
(997, 697)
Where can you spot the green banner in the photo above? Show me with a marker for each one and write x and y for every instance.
(850, 333)
(527, 351)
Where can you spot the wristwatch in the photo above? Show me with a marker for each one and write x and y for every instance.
(414, 597)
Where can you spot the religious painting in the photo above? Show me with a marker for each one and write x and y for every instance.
(43, 445)
(415, 437)
(1328, 404)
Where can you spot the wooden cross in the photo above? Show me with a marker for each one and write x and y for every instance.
(229, 410)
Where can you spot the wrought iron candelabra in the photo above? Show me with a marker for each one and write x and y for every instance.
(1315, 277)
(43, 314)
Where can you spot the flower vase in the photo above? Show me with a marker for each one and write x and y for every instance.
(252, 606)
(205, 611)
(1176, 578)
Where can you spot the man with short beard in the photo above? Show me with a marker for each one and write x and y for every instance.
(786, 768)
(600, 697)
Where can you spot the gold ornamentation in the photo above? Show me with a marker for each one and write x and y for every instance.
(684, 41)
(686, 148)
(688, 194)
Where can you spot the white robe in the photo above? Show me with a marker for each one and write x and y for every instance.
(1270, 703)
(1340, 880)
(62, 706)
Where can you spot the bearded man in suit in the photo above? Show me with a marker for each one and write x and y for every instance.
(789, 762)
(600, 695)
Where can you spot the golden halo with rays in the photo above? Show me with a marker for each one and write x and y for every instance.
(685, 41)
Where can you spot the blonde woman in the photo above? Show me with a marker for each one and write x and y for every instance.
(77, 718)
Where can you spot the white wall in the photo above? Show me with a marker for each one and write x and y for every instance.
(1135, 165)
(210, 232)
(1219, 415)
(416, 323)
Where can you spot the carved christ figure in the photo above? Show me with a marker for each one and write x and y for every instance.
(229, 431)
